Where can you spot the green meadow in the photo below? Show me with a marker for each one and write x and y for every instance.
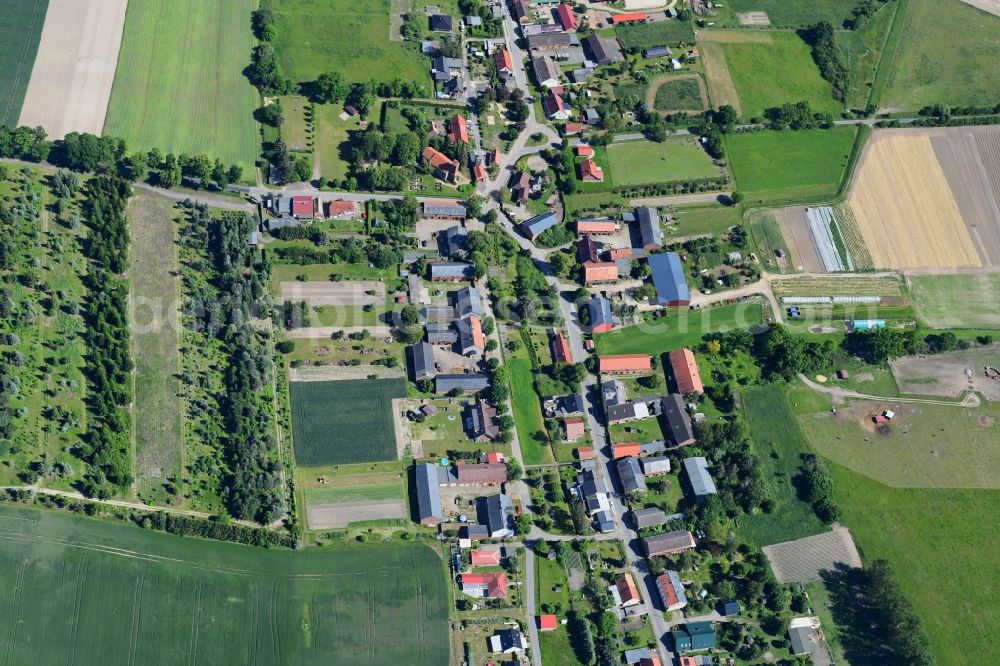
(20, 31)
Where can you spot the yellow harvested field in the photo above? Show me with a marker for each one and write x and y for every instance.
(720, 82)
(905, 209)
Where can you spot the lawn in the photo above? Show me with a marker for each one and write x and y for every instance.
(957, 301)
(92, 592)
(947, 55)
(350, 37)
(331, 140)
(778, 444)
(343, 422)
(775, 73)
(20, 32)
(705, 219)
(155, 293)
(802, 165)
(643, 431)
(376, 492)
(684, 328)
(942, 545)
(642, 162)
(297, 131)
(528, 413)
(796, 13)
(662, 33)
(179, 85)
(679, 95)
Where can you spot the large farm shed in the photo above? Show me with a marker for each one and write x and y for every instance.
(668, 280)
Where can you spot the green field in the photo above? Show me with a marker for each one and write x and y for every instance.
(179, 85)
(642, 162)
(925, 446)
(703, 219)
(376, 492)
(351, 37)
(772, 74)
(20, 31)
(336, 423)
(807, 164)
(661, 33)
(678, 95)
(957, 301)
(528, 413)
(155, 293)
(796, 13)
(331, 140)
(684, 328)
(863, 51)
(297, 131)
(946, 54)
(778, 442)
(942, 545)
(91, 592)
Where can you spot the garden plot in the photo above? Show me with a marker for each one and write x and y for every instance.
(327, 516)
(795, 229)
(950, 375)
(352, 292)
(804, 560)
(75, 68)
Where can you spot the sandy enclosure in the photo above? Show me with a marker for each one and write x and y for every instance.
(75, 68)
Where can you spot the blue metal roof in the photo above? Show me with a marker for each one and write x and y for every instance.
(539, 223)
(668, 278)
(600, 311)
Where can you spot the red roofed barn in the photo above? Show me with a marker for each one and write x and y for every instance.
(624, 364)
(685, 372)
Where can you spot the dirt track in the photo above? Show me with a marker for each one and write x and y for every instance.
(75, 68)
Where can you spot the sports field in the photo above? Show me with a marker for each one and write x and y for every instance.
(20, 31)
(159, 444)
(957, 301)
(85, 591)
(351, 37)
(683, 329)
(946, 54)
(807, 164)
(771, 69)
(942, 545)
(335, 423)
(179, 85)
(676, 158)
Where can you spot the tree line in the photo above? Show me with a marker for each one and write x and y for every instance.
(107, 443)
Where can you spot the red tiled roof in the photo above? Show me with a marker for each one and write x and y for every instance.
(503, 60)
(631, 449)
(476, 326)
(493, 157)
(566, 17)
(667, 590)
(481, 472)
(625, 363)
(436, 158)
(626, 18)
(495, 583)
(486, 557)
(554, 104)
(595, 227)
(585, 453)
(494, 457)
(626, 589)
(303, 205)
(620, 253)
(547, 622)
(583, 150)
(341, 207)
(479, 171)
(458, 129)
(574, 429)
(573, 128)
(600, 272)
(651, 660)
(560, 349)
(589, 170)
(685, 370)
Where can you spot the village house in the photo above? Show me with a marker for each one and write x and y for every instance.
(601, 272)
(591, 172)
(624, 591)
(341, 210)
(671, 591)
(630, 475)
(504, 63)
(668, 543)
(651, 517)
(546, 72)
(601, 320)
(556, 108)
(520, 187)
(498, 516)
(484, 585)
(508, 641)
(454, 242)
(458, 131)
(678, 421)
(485, 557)
(624, 450)
(451, 271)
(560, 348)
(552, 41)
(574, 429)
(480, 422)
(693, 636)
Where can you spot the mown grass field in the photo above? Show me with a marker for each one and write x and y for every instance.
(179, 85)
(946, 54)
(155, 293)
(778, 444)
(775, 73)
(703, 219)
(527, 413)
(796, 13)
(678, 95)
(662, 33)
(20, 31)
(684, 328)
(331, 140)
(957, 301)
(351, 37)
(677, 158)
(92, 592)
(347, 494)
(341, 422)
(942, 545)
(807, 164)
